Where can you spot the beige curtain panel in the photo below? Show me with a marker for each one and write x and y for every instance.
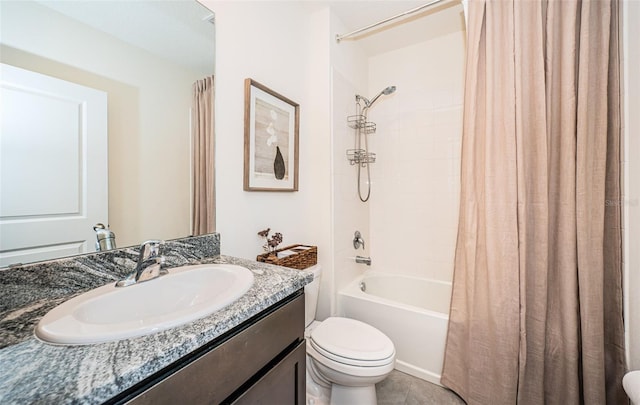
(204, 219)
(536, 314)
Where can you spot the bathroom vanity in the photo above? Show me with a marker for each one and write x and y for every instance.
(251, 349)
(264, 358)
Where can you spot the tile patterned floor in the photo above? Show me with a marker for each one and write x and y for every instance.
(403, 389)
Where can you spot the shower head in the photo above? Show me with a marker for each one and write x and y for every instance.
(368, 103)
(389, 90)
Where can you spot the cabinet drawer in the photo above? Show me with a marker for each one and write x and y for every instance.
(216, 374)
(284, 384)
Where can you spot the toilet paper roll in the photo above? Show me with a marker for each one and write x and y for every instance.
(631, 384)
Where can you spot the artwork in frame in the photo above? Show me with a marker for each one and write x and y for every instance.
(271, 124)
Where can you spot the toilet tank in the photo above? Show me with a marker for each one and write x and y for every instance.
(311, 291)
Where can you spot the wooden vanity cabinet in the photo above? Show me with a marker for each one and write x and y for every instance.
(262, 361)
(283, 384)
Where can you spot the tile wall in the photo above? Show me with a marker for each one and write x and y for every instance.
(414, 204)
(350, 214)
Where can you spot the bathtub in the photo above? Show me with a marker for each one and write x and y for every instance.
(412, 311)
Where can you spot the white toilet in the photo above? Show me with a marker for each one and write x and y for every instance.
(631, 385)
(345, 357)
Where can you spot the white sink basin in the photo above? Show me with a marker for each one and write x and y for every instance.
(111, 313)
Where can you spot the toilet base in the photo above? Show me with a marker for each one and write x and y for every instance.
(316, 393)
(341, 395)
(319, 393)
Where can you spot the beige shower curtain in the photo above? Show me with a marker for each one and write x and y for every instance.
(204, 219)
(536, 314)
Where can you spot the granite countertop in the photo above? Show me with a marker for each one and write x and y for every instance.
(34, 372)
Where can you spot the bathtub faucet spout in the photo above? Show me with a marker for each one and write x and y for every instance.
(363, 260)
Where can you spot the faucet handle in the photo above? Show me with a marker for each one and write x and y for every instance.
(149, 266)
(153, 242)
(152, 247)
(357, 240)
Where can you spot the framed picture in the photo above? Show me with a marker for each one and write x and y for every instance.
(271, 123)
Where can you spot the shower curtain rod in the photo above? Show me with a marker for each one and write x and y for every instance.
(386, 20)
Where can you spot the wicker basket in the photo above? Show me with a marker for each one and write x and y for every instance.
(304, 257)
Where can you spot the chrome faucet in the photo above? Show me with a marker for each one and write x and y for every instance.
(150, 261)
(363, 260)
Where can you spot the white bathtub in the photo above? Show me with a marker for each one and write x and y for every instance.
(412, 311)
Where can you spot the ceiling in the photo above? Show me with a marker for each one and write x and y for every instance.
(177, 30)
(137, 22)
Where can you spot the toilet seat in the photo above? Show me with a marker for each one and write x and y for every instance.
(352, 343)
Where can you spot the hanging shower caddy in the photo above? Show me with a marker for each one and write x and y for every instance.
(362, 126)
(358, 156)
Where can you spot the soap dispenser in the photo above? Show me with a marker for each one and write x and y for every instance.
(106, 239)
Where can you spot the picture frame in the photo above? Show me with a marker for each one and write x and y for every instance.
(271, 127)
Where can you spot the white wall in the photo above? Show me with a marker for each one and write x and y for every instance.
(412, 211)
(283, 45)
(349, 77)
(414, 203)
(631, 197)
(318, 73)
(149, 102)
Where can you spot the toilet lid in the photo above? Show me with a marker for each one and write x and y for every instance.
(345, 339)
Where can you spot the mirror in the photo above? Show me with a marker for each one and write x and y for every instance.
(145, 55)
